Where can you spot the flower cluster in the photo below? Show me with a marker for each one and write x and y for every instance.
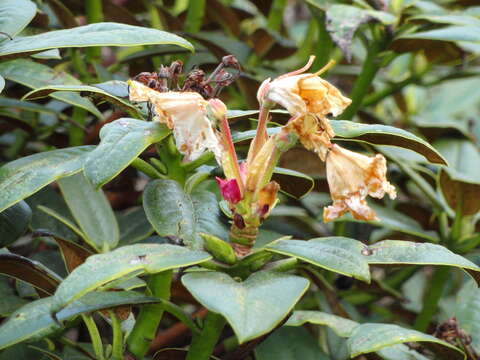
(351, 176)
(199, 123)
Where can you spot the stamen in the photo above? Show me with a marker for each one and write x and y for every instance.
(327, 67)
(301, 70)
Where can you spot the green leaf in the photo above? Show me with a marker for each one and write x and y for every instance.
(9, 300)
(221, 294)
(14, 222)
(34, 320)
(386, 135)
(99, 34)
(338, 254)
(394, 220)
(134, 226)
(135, 259)
(397, 252)
(23, 177)
(400, 352)
(367, 338)
(293, 183)
(2, 83)
(341, 326)
(173, 212)
(344, 328)
(15, 16)
(45, 91)
(469, 33)
(25, 105)
(121, 142)
(373, 134)
(92, 211)
(47, 54)
(290, 344)
(49, 198)
(448, 19)
(35, 75)
(30, 271)
(460, 182)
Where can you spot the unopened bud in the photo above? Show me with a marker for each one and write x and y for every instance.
(217, 110)
(230, 190)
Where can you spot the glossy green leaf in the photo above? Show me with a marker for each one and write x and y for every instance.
(460, 182)
(290, 344)
(99, 34)
(135, 259)
(449, 33)
(67, 222)
(373, 134)
(344, 328)
(397, 252)
(23, 177)
(25, 105)
(14, 222)
(293, 183)
(2, 83)
(45, 91)
(30, 271)
(134, 226)
(121, 142)
(338, 254)
(448, 19)
(173, 212)
(15, 16)
(221, 294)
(9, 300)
(49, 198)
(367, 338)
(386, 135)
(401, 352)
(47, 54)
(35, 75)
(34, 320)
(397, 221)
(92, 211)
(341, 326)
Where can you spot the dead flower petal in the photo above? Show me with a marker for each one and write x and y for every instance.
(186, 114)
(304, 93)
(314, 133)
(351, 178)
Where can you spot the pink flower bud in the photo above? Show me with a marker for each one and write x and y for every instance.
(229, 189)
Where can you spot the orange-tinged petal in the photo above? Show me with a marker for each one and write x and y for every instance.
(314, 133)
(351, 178)
(304, 93)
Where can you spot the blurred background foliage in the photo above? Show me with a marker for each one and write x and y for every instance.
(412, 64)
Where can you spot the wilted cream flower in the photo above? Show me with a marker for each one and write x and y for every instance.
(309, 99)
(314, 133)
(351, 177)
(304, 93)
(186, 114)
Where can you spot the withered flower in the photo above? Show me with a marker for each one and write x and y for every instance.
(186, 113)
(351, 177)
(301, 93)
